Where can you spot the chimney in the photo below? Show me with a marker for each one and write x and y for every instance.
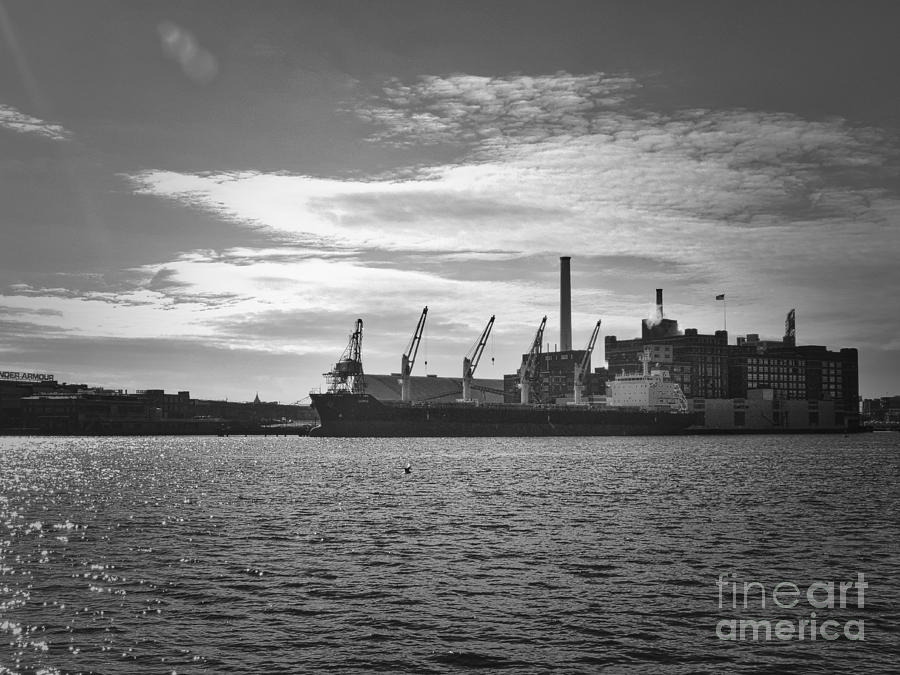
(659, 304)
(565, 304)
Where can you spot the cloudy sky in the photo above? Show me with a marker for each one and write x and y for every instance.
(206, 195)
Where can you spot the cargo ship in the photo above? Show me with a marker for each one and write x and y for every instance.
(363, 415)
(646, 403)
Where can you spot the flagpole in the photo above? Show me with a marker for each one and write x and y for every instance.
(721, 296)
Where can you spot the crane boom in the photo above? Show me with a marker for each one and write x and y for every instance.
(474, 355)
(470, 360)
(413, 347)
(526, 372)
(409, 357)
(585, 360)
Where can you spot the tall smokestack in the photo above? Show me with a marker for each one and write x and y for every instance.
(565, 304)
(659, 305)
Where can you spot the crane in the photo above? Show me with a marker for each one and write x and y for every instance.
(529, 363)
(470, 360)
(347, 374)
(409, 357)
(583, 366)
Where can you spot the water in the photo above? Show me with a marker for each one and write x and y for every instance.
(283, 555)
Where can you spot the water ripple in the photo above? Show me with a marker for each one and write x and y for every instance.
(283, 555)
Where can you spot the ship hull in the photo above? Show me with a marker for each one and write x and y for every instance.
(362, 415)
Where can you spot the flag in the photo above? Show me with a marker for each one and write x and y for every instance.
(721, 296)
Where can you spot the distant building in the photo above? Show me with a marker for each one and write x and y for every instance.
(42, 406)
(167, 406)
(86, 412)
(12, 391)
(808, 372)
(884, 410)
(752, 384)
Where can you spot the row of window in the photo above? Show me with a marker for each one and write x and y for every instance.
(755, 361)
(779, 393)
(793, 380)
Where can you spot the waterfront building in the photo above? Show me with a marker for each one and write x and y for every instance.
(753, 384)
(44, 406)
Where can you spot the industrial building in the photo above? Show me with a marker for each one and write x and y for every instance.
(554, 379)
(751, 385)
(35, 403)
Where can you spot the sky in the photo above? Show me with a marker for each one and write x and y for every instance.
(206, 195)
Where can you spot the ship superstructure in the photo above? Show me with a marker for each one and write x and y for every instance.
(647, 390)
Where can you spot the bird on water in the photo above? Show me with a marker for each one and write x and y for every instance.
(407, 468)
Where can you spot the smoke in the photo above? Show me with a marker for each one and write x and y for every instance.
(654, 317)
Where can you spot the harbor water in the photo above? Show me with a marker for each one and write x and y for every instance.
(571, 555)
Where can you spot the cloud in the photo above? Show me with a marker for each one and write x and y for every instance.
(15, 120)
(165, 279)
(462, 109)
(445, 212)
(19, 324)
(700, 186)
(15, 330)
(755, 204)
(24, 311)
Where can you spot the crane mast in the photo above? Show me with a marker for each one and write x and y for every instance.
(581, 367)
(409, 358)
(347, 374)
(527, 370)
(470, 360)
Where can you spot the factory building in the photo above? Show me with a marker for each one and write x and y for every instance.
(754, 384)
(807, 372)
(554, 378)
